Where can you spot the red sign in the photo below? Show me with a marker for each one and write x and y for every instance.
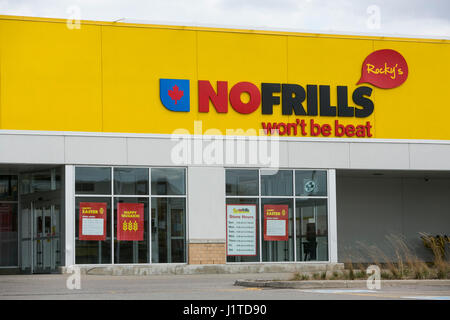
(92, 221)
(384, 69)
(6, 211)
(276, 221)
(130, 221)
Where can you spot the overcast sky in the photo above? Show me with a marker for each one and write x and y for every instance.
(424, 18)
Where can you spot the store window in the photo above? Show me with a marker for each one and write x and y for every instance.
(310, 183)
(131, 244)
(8, 220)
(242, 182)
(276, 183)
(130, 215)
(291, 215)
(168, 181)
(131, 181)
(312, 226)
(92, 180)
(93, 230)
(41, 181)
(168, 230)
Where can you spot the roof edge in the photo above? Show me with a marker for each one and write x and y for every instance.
(234, 29)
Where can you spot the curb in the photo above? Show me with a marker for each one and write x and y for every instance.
(187, 269)
(321, 284)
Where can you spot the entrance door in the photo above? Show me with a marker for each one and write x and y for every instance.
(41, 245)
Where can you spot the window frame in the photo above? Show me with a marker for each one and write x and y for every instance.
(293, 198)
(149, 197)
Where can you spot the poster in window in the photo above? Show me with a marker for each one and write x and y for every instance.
(241, 229)
(6, 211)
(130, 221)
(276, 222)
(92, 221)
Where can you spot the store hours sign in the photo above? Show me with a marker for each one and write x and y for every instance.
(241, 230)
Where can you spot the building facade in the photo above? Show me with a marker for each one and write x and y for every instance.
(150, 145)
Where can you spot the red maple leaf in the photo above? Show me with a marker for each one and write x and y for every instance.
(175, 94)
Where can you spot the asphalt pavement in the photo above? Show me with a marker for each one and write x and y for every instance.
(193, 287)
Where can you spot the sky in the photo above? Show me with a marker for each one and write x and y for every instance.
(421, 18)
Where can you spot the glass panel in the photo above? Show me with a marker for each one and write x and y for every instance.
(41, 181)
(312, 229)
(310, 183)
(247, 258)
(242, 182)
(93, 251)
(276, 182)
(8, 234)
(8, 188)
(26, 242)
(131, 251)
(168, 181)
(133, 181)
(278, 250)
(92, 180)
(168, 230)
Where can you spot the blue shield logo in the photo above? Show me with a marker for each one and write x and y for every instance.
(174, 94)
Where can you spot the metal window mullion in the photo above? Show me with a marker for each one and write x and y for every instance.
(112, 215)
(311, 197)
(168, 196)
(259, 215)
(294, 217)
(150, 214)
(93, 195)
(186, 216)
(243, 196)
(19, 224)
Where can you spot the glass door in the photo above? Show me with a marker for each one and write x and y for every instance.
(46, 236)
(40, 237)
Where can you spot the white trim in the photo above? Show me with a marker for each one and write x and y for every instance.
(69, 215)
(332, 217)
(202, 241)
(192, 136)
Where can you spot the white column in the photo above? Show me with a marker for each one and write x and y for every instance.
(206, 200)
(70, 215)
(332, 216)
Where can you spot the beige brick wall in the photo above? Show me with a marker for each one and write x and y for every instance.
(207, 253)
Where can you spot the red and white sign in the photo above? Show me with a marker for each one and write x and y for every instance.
(130, 221)
(276, 222)
(92, 221)
(384, 69)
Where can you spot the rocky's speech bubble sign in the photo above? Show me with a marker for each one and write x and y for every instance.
(384, 69)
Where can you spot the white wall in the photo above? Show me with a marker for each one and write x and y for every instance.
(206, 201)
(146, 149)
(371, 208)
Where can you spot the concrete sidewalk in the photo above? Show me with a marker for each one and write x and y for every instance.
(321, 284)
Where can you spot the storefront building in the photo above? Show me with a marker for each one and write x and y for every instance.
(146, 145)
